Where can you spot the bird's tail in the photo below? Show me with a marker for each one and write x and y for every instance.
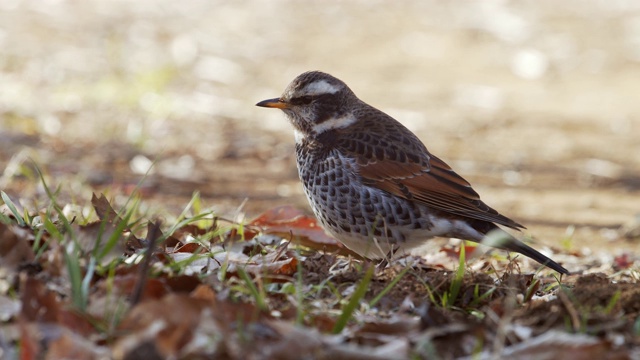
(500, 239)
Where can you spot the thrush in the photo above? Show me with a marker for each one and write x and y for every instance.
(373, 184)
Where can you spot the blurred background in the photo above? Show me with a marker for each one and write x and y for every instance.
(536, 103)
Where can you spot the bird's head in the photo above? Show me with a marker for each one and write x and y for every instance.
(315, 102)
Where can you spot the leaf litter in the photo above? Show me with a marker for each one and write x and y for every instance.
(279, 287)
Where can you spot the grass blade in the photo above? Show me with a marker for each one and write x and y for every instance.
(351, 306)
(262, 305)
(456, 283)
(13, 209)
(388, 287)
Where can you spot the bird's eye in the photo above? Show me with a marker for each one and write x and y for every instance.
(304, 100)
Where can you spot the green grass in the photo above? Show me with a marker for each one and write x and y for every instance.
(354, 301)
(389, 286)
(12, 207)
(258, 294)
(449, 298)
(479, 298)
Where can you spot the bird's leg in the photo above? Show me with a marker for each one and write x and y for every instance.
(385, 261)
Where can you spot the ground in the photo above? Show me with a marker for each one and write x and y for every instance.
(535, 103)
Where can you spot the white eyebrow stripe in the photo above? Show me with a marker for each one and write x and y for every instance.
(335, 123)
(321, 87)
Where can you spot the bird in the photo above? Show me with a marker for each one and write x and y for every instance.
(373, 184)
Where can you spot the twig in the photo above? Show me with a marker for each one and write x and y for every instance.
(573, 313)
(152, 237)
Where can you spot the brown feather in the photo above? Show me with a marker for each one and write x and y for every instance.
(424, 178)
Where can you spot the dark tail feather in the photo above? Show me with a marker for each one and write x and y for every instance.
(507, 242)
(526, 250)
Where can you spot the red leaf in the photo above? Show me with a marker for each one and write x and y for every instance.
(153, 288)
(192, 248)
(291, 223)
(455, 253)
(38, 303)
(622, 261)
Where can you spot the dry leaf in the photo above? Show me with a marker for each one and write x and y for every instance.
(165, 325)
(38, 303)
(104, 210)
(292, 224)
(14, 247)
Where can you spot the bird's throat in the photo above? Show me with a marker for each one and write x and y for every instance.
(299, 136)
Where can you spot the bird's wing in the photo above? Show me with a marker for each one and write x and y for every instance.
(397, 162)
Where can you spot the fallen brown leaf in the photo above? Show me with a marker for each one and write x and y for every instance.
(164, 326)
(104, 210)
(292, 224)
(14, 247)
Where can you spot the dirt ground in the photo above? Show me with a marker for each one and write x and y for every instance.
(535, 103)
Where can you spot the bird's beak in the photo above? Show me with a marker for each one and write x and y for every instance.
(273, 103)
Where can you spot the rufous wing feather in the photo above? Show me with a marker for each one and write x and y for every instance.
(429, 181)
